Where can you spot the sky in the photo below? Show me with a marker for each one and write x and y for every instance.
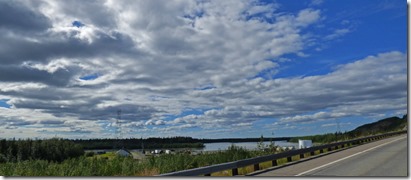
(199, 68)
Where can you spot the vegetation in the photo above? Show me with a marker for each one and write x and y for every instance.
(324, 138)
(58, 157)
(80, 166)
(139, 143)
(52, 150)
(124, 166)
(381, 126)
(236, 140)
(161, 143)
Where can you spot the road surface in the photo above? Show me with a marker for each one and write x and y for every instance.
(387, 157)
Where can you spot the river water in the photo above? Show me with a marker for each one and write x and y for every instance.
(246, 145)
(220, 146)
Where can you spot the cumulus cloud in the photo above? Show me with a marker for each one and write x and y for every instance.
(16, 16)
(316, 2)
(337, 34)
(157, 61)
(308, 16)
(364, 87)
(314, 117)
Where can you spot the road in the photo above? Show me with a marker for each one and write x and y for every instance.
(387, 157)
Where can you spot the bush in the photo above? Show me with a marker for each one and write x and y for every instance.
(53, 150)
(89, 154)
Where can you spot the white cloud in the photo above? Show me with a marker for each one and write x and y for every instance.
(363, 88)
(314, 117)
(337, 34)
(51, 67)
(308, 16)
(156, 60)
(336, 124)
(317, 2)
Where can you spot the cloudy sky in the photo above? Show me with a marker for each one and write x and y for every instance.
(199, 68)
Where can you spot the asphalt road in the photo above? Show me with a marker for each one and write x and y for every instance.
(385, 158)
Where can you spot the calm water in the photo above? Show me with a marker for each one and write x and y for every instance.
(220, 146)
(247, 145)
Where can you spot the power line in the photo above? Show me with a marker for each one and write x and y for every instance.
(119, 131)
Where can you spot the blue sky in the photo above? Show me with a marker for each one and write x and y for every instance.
(205, 69)
(4, 104)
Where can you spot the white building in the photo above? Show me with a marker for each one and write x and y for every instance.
(304, 144)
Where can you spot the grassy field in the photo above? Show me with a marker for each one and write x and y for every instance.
(111, 165)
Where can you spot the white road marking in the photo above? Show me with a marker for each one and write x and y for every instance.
(305, 172)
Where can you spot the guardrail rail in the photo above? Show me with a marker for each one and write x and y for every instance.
(235, 165)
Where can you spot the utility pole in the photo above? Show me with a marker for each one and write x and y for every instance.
(119, 131)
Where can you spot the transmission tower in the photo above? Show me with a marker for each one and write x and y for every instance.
(119, 130)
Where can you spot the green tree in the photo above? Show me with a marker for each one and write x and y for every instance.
(260, 144)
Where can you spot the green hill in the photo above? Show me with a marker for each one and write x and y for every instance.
(381, 126)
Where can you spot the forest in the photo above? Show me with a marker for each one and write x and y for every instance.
(140, 143)
(380, 126)
(56, 150)
(162, 143)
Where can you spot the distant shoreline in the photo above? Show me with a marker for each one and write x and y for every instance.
(235, 140)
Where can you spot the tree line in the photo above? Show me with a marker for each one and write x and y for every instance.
(55, 149)
(381, 126)
(140, 143)
(161, 142)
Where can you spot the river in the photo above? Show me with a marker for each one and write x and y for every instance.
(220, 146)
(246, 145)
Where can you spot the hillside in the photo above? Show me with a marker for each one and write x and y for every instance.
(381, 126)
(384, 125)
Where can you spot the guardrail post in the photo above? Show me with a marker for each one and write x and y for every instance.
(301, 156)
(289, 159)
(312, 153)
(256, 167)
(274, 162)
(207, 174)
(329, 149)
(234, 171)
(321, 151)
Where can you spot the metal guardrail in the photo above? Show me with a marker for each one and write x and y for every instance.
(206, 171)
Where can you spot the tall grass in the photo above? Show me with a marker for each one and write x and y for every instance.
(118, 166)
(124, 166)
